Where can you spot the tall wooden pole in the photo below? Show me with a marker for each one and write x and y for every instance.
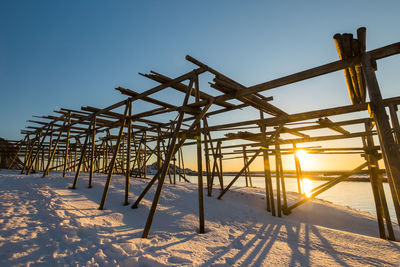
(113, 160)
(269, 193)
(248, 168)
(221, 172)
(67, 144)
(299, 174)
(82, 156)
(164, 169)
(375, 178)
(278, 175)
(46, 171)
(199, 164)
(92, 151)
(207, 157)
(37, 151)
(377, 108)
(245, 163)
(31, 148)
(395, 122)
(128, 154)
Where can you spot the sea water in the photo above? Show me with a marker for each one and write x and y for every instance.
(356, 195)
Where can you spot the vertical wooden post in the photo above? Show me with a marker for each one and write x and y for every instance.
(82, 156)
(104, 155)
(248, 168)
(215, 154)
(174, 169)
(162, 173)
(395, 122)
(221, 172)
(67, 144)
(377, 108)
(42, 161)
(128, 154)
(33, 158)
(19, 149)
(199, 163)
(207, 157)
(31, 148)
(76, 153)
(53, 152)
(244, 163)
(122, 152)
(50, 146)
(282, 176)
(113, 160)
(145, 155)
(27, 145)
(92, 150)
(183, 164)
(269, 193)
(299, 174)
(278, 175)
(373, 168)
(159, 147)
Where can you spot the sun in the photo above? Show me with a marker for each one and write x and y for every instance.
(301, 154)
(306, 160)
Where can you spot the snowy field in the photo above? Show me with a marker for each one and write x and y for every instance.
(42, 222)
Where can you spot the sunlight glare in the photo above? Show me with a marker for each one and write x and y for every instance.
(301, 154)
(307, 187)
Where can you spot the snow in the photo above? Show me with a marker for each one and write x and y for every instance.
(43, 222)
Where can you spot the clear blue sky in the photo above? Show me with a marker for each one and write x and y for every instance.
(73, 53)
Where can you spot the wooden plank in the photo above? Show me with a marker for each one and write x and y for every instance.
(182, 88)
(305, 115)
(378, 53)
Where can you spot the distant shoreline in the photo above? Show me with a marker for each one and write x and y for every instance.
(312, 175)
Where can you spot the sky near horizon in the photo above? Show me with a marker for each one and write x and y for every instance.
(70, 54)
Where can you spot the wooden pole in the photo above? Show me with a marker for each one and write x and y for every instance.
(239, 173)
(378, 193)
(282, 182)
(248, 169)
(82, 156)
(128, 154)
(199, 163)
(35, 157)
(278, 175)
(395, 122)
(244, 163)
(16, 154)
(46, 172)
(299, 175)
(207, 157)
(179, 166)
(164, 169)
(28, 156)
(221, 173)
(67, 145)
(113, 160)
(183, 164)
(377, 108)
(145, 155)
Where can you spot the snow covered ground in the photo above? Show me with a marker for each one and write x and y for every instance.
(43, 222)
